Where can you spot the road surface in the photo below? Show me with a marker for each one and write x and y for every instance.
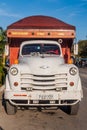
(47, 120)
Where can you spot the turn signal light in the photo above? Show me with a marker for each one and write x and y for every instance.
(70, 61)
(15, 84)
(16, 61)
(71, 84)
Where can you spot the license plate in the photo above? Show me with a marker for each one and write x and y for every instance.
(46, 97)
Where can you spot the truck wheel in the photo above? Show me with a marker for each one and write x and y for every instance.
(10, 109)
(73, 110)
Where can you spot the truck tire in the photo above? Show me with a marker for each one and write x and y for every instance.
(10, 109)
(73, 110)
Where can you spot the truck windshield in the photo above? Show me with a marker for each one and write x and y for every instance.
(28, 49)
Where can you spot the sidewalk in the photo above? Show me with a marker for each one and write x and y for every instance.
(2, 88)
(1, 92)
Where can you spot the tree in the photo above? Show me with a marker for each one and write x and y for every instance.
(2, 35)
(2, 46)
(2, 43)
(82, 48)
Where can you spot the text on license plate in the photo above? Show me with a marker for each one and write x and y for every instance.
(46, 97)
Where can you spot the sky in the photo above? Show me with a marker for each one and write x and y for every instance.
(73, 12)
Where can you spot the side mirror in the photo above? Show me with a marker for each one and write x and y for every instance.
(6, 50)
(75, 49)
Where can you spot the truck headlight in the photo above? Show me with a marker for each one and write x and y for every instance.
(73, 71)
(14, 71)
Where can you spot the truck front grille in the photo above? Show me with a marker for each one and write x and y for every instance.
(44, 81)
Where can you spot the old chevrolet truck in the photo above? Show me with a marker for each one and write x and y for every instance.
(40, 70)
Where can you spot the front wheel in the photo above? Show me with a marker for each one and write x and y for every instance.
(10, 109)
(73, 110)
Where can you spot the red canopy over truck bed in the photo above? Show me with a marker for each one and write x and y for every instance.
(39, 27)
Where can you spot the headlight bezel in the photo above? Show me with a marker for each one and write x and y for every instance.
(73, 71)
(14, 71)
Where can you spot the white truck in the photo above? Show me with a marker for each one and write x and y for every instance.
(41, 78)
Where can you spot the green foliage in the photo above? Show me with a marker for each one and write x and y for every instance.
(2, 45)
(2, 76)
(83, 48)
(2, 35)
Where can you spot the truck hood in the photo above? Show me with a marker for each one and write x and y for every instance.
(42, 64)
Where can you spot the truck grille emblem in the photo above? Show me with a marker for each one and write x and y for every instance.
(44, 67)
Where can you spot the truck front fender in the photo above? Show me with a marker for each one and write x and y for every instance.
(80, 86)
(7, 84)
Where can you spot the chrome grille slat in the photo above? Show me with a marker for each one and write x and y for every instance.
(43, 81)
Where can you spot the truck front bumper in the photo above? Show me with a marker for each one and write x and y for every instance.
(43, 98)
